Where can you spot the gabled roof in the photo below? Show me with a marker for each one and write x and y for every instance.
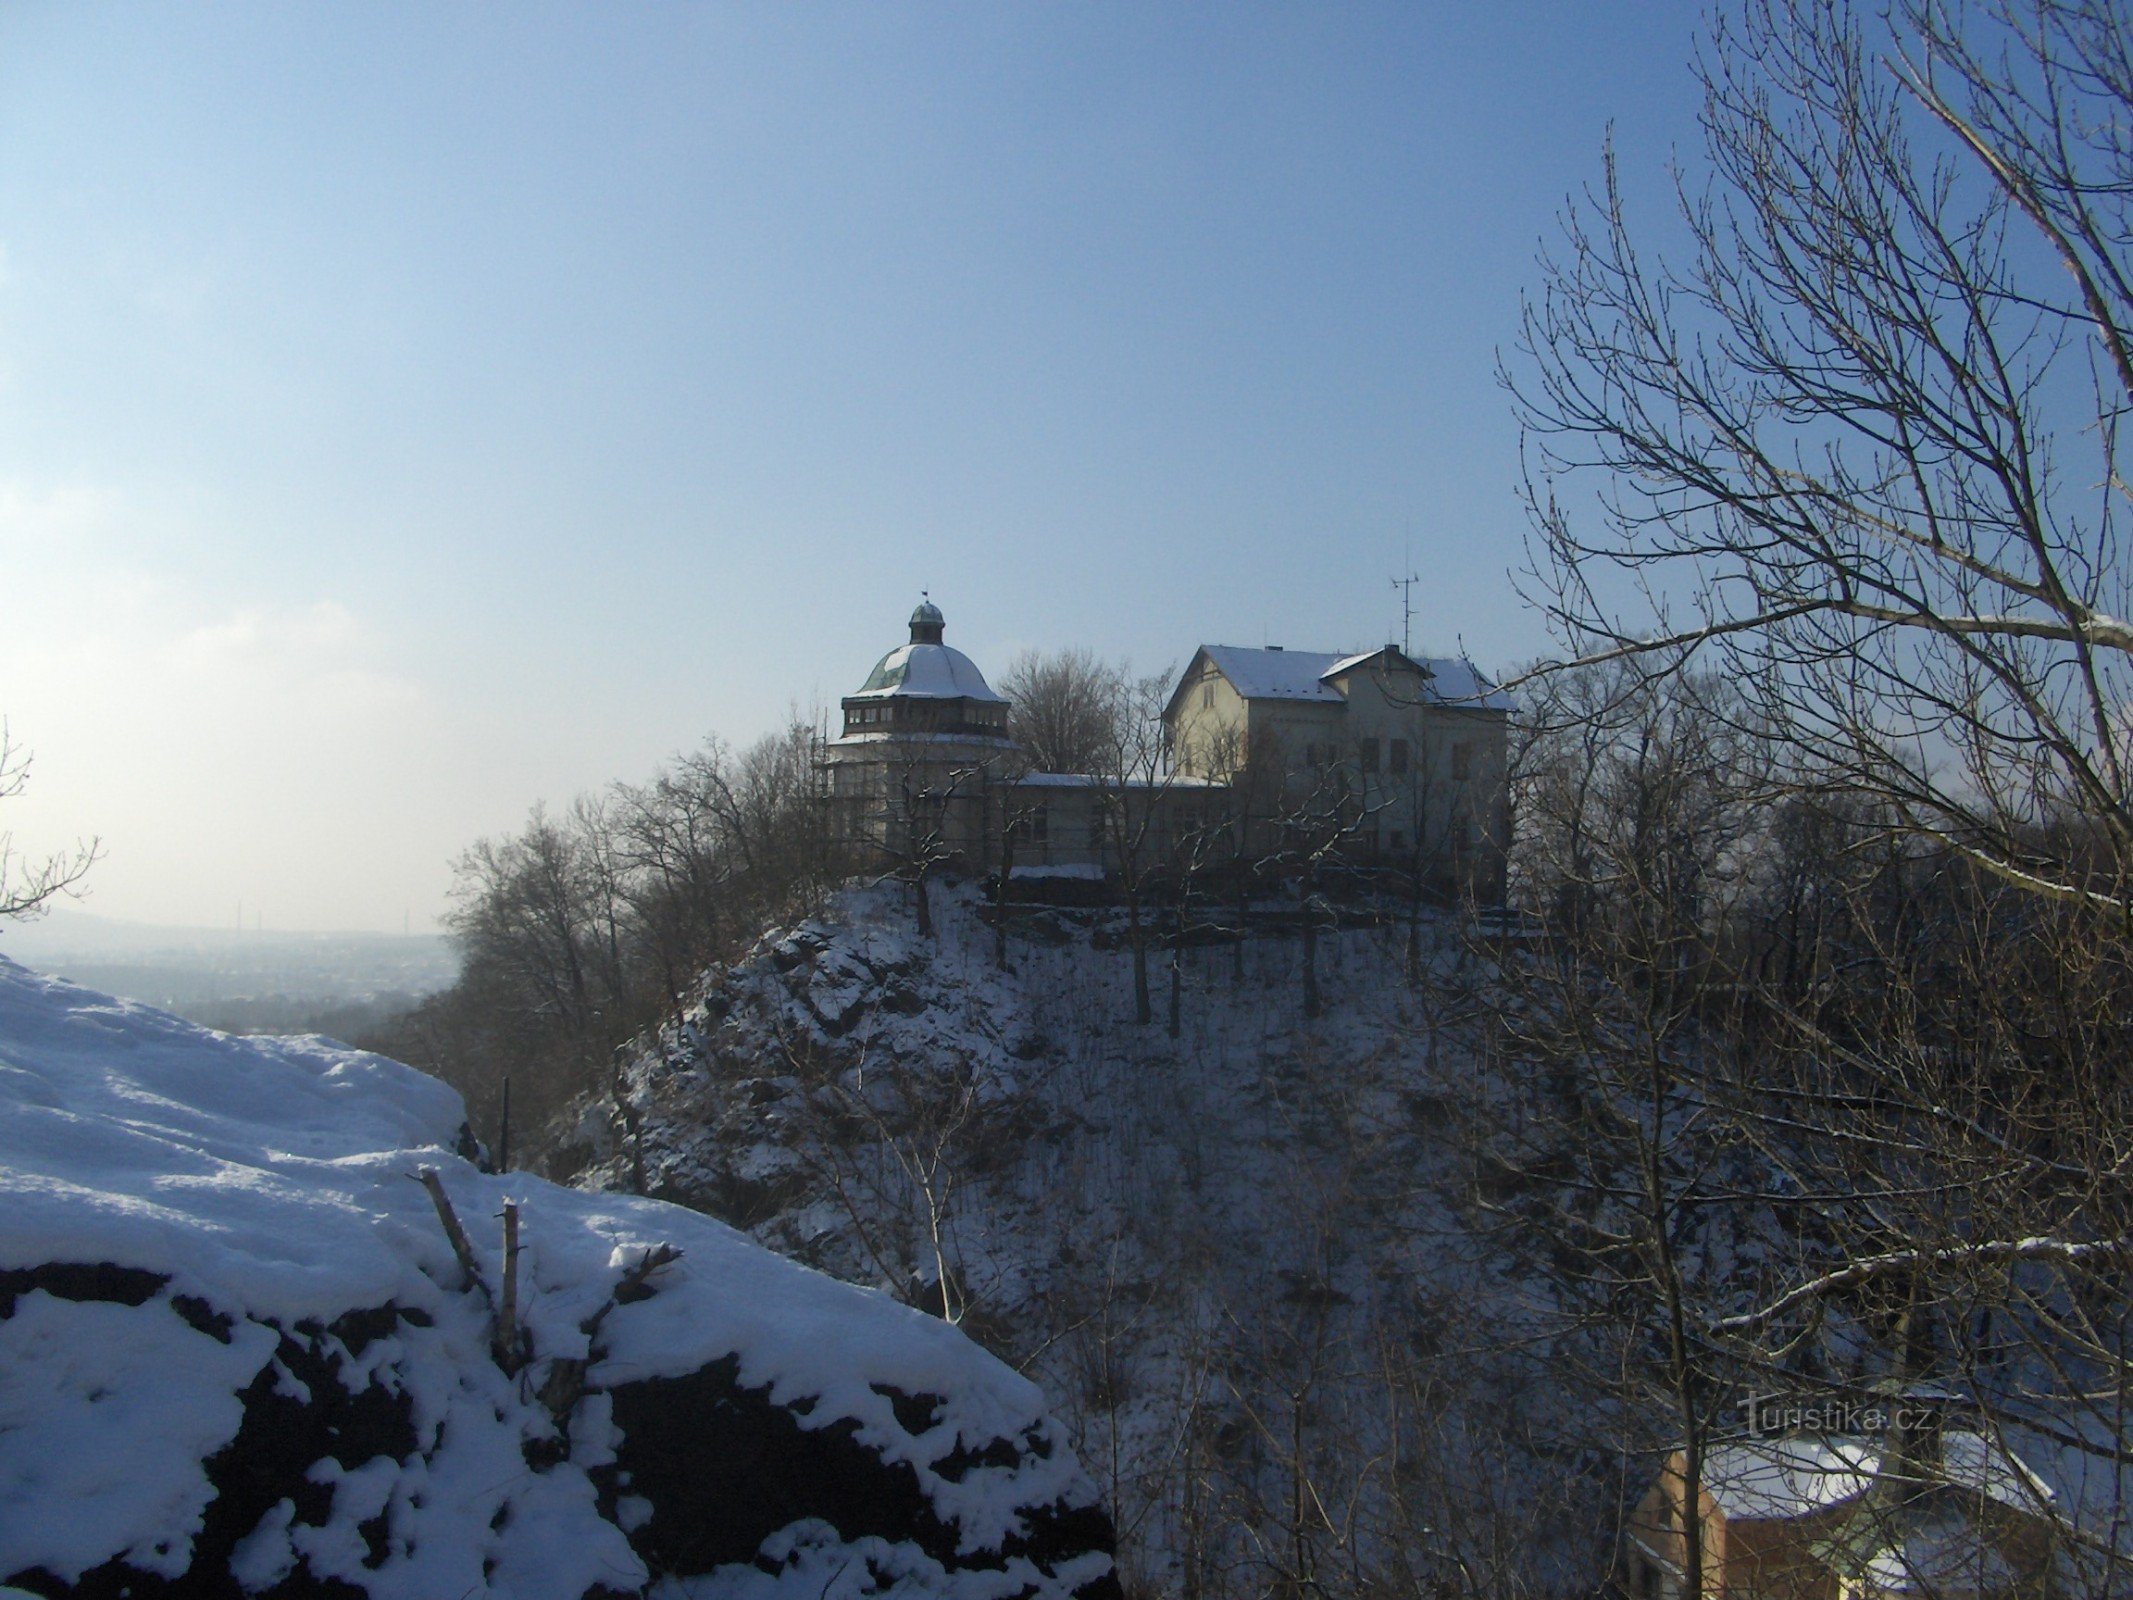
(1307, 675)
(1275, 674)
(1791, 1475)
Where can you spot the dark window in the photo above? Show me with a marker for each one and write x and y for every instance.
(1462, 760)
(1033, 827)
(1370, 755)
(1399, 755)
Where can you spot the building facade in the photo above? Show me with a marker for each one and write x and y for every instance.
(1407, 758)
(923, 752)
(1378, 757)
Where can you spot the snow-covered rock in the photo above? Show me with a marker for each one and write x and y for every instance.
(1160, 1229)
(239, 1355)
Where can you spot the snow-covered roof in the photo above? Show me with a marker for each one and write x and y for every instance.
(1786, 1477)
(1456, 682)
(1937, 1552)
(901, 737)
(1983, 1464)
(1096, 780)
(928, 671)
(1277, 674)
(1782, 1478)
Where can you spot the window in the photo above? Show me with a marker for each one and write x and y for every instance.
(1207, 695)
(1370, 755)
(1396, 841)
(1462, 760)
(1034, 827)
(1399, 755)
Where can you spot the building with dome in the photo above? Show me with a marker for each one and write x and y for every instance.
(1399, 762)
(924, 745)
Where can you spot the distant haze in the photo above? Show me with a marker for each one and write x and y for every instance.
(249, 981)
(408, 413)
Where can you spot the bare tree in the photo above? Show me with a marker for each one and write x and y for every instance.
(1135, 778)
(1064, 707)
(1877, 1082)
(27, 883)
(1859, 455)
(918, 841)
(1320, 812)
(1635, 800)
(581, 929)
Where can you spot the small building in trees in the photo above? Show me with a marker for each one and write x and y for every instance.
(1956, 1514)
(1412, 751)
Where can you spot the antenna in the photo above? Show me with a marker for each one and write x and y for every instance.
(1406, 587)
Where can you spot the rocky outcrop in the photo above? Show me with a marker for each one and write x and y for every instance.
(241, 1354)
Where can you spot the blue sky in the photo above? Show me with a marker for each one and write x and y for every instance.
(409, 413)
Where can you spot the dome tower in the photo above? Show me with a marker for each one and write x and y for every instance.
(924, 736)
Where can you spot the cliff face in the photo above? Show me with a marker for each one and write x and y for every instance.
(241, 1354)
(1243, 1261)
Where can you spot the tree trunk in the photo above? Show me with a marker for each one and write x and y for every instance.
(1313, 1002)
(1414, 927)
(1143, 1012)
(1176, 979)
(999, 903)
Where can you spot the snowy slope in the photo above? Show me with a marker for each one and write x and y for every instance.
(1238, 1260)
(238, 1352)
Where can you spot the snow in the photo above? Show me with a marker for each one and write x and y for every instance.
(274, 1180)
(928, 671)
(1787, 1477)
(898, 737)
(1992, 1469)
(1276, 674)
(1273, 674)
(1097, 780)
(1162, 1214)
(1778, 1479)
(105, 1449)
(1118, 1202)
(1939, 1554)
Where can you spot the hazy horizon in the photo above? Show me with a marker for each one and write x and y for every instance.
(410, 414)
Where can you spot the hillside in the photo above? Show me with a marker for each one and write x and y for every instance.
(1245, 1261)
(241, 1353)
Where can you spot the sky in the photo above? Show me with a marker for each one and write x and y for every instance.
(412, 413)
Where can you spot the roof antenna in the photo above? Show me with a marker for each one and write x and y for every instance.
(1406, 587)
